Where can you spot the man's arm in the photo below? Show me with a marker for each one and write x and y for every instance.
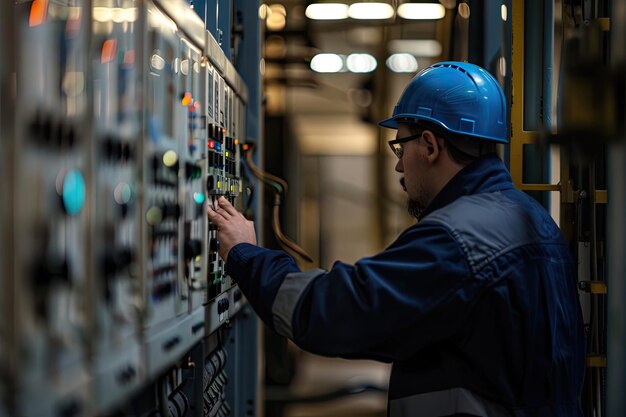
(416, 292)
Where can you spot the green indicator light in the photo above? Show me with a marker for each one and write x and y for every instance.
(154, 215)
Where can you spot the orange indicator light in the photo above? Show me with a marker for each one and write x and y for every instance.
(109, 48)
(38, 11)
(187, 100)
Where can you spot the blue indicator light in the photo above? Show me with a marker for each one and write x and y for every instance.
(73, 192)
(198, 197)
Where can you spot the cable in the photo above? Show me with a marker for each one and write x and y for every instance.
(279, 187)
(262, 175)
(282, 239)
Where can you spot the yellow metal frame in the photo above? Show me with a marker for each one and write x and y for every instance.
(594, 361)
(519, 136)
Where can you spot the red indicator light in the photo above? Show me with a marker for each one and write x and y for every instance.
(211, 144)
(129, 57)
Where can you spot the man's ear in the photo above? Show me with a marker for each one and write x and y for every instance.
(432, 144)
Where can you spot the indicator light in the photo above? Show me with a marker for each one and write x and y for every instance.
(109, 49)
(170, 158)
(73, 192)
(187, 100)
(38, 11)
(129, 57)
(123, 193)
(154, 215)
(198, 197)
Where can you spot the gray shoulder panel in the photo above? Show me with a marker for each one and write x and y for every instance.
(287, 298)
(488, 225)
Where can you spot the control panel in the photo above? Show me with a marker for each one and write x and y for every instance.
(161, 229)
(52, 205)
(117, 147)
(126, 124)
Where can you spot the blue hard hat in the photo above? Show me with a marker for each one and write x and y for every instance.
(461, 98)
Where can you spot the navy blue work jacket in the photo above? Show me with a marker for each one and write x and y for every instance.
(475, 305)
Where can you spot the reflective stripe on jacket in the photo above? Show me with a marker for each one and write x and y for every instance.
(479, 298)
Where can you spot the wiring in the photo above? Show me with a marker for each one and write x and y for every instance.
(280, 187)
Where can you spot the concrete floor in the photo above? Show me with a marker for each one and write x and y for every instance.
(318, 375)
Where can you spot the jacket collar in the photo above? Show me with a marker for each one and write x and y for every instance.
(486, 174)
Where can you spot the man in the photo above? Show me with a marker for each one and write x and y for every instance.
(476, 305)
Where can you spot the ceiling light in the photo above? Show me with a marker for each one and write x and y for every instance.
(263, 11)
(503, 12)
(361, 63)
(464, 10)
(327, 11)
(327, 63)
(423, 11)
(418, 47)
(502, 66)
(276, 17)
(371, 11)
(402, 63)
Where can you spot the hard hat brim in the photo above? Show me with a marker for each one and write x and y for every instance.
(392, 123)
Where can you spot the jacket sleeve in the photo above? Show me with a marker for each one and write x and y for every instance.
(388, 306)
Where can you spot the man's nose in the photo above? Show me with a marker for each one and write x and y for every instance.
(399, 167)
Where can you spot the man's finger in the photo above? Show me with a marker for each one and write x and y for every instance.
(219, 210)
(215, 216)
(225, 205)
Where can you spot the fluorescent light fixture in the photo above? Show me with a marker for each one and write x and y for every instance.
(422, 11)
(371, 11)
(417, 47)
(327, 11)
(361, 63)
(504, 12)
(327, 63)
(402, 63)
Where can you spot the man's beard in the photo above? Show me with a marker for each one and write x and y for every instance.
(414, 207)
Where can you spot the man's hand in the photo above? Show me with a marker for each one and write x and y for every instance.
(232, 227)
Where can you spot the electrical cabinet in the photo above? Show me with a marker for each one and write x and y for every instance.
(117, 150)
(126, 126)
(52, 208)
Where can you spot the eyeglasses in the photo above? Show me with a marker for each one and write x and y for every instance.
(397, 145)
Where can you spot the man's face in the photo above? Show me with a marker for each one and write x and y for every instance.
(415, 168)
